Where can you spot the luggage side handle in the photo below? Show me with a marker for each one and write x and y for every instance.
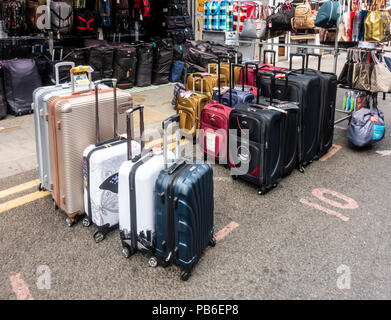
(129, 114)
(58, 65)
(96, 84)
(165, 124)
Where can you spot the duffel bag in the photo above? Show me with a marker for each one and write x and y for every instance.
(328, 14)
(281, 20)
(144, 64)
(176, 71)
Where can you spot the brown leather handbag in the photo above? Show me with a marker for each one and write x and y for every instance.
(31, 14)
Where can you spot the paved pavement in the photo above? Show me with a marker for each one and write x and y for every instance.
(324, 234)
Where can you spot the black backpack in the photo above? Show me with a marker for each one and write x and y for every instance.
(84, 21)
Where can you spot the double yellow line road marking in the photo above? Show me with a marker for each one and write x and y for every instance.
(17, 202)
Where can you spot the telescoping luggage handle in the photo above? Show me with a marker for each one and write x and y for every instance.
(174, 118)
(96, 84)
(249, 64)
(57, 67)
(198, 75)
(129, 114)
(227, 58)
(302, 56)
(319, 56)
(272, 75)
(273, 54)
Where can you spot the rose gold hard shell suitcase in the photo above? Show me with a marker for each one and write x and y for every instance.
(71, 130)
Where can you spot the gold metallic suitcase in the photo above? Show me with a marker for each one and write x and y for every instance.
(71, 129)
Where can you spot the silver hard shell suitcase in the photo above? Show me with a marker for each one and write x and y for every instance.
(101, 162)
(40, 97)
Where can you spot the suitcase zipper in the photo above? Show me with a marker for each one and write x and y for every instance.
(172, 203)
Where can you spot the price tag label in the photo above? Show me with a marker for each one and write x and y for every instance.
(211, 142)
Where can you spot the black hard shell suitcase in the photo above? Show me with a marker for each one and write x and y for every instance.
(184, 211)
(305, 90)
(124, 66)
(329, 83)
(162, 60)
(144, 64)
(261, 151)
(291, 118)
(21, 78)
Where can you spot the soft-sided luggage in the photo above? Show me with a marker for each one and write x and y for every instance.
(328, 83)
(144, 64)
(21, 78)
(306, 90)
(176, 71)
(137, 180)
(255, 150)
(40, 98)
(101, 60)
(189, 106)
(72, 128)
(162, 60)
(184, 208)
(291, 118)
(124, 66)
(3, 101)
(202, 82)
(101, 163)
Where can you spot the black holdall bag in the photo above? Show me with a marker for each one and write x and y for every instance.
(176, 22)
(21, 78)
(144, 64)
(281, 20)
(124, 66)
(177, 10)
(101, 60)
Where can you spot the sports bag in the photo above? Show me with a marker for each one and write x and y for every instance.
(14, 17)
(328, 14)
(367, 125)
(61, 16)
(303, 18)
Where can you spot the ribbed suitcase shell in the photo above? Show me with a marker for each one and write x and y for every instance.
(71, 130)
(192, 221)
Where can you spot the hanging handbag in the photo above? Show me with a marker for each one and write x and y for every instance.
(345, 77)
(255, 27)
(367, 125)
(375, 26)
(362, 73)
(381, 75)
(281, 20)
(303, 19)
(242, 11)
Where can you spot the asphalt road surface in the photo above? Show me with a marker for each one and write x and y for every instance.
(324, 234)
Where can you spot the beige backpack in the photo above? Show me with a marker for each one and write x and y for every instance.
(303, 18)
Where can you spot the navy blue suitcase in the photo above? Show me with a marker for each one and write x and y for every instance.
(184, 212)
